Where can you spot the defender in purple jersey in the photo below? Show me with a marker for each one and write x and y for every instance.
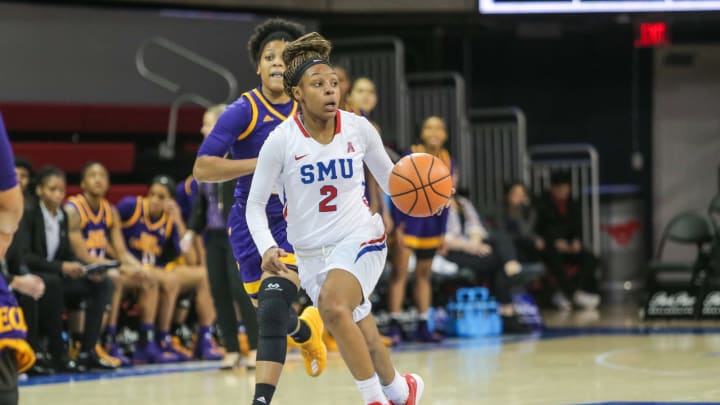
(242, 130)
(15, 353)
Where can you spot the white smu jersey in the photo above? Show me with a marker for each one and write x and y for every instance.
(322, 186)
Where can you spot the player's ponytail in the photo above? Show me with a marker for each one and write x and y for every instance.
(299, 55)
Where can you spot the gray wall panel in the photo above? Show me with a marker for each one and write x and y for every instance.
(686, 134)
(62, 54)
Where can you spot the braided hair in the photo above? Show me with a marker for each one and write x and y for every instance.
(272, 30)
(301, 54)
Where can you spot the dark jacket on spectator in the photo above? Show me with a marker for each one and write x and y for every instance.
(35, 245)
(552, 224)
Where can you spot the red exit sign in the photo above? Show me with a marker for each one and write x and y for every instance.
(652, 34)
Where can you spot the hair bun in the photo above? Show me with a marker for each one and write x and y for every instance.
(308, 46)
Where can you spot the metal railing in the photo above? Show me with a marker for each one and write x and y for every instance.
(581, 160)
(498, 144)
(441, 94)
(381, 59)
(167, 148)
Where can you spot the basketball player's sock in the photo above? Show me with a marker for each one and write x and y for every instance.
(177, 329)
(147, 333)
(371, 390)
(423, 317)
(263, 394)
(110, 333)
(163, 336)
(397, 391)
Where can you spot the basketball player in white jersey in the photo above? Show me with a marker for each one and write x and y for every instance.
(317, 158)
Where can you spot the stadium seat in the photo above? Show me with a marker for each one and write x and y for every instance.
(674, 289)
(714, 214)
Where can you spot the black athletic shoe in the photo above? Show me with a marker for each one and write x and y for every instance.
(91, 361)
(512, 326)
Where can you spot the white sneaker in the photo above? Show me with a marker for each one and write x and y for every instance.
(561, 302)
(586, 300)
(230, 361)
(416, 386)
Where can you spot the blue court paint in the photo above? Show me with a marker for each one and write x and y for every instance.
(136, 371)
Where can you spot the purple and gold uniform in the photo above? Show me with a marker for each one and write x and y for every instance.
(13, 329)
(424, 233)
(148, 238)
(95, 225)
(7, 162)
(12, 322)
(242, 129)
(186, 194)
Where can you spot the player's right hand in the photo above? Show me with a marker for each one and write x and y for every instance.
(271, 261)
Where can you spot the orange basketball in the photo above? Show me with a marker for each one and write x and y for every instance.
(420, 184)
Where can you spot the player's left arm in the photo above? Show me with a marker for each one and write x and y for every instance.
(269, 167)
(11, 198)
(376, 158)
(172, 209)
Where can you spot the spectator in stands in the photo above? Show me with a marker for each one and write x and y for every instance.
(28, 288)
(518, 220)
(151, 227)
(559, 223)
(362, 98)
(344, 81)
(49, 254)
(423, 236)
(471, 243)
(209, 217)
(95, 235)
(24, 172)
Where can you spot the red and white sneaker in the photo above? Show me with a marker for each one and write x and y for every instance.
(416, 386)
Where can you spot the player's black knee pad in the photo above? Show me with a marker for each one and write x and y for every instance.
(292, 320)
(274, 298)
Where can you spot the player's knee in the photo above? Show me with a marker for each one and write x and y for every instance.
(332, 307)
(150, 282)
(170, 285)
(116, 278)
(274, 299)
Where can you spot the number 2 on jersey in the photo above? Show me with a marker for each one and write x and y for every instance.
(331, 193)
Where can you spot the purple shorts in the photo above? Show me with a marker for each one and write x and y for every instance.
(246, 254)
